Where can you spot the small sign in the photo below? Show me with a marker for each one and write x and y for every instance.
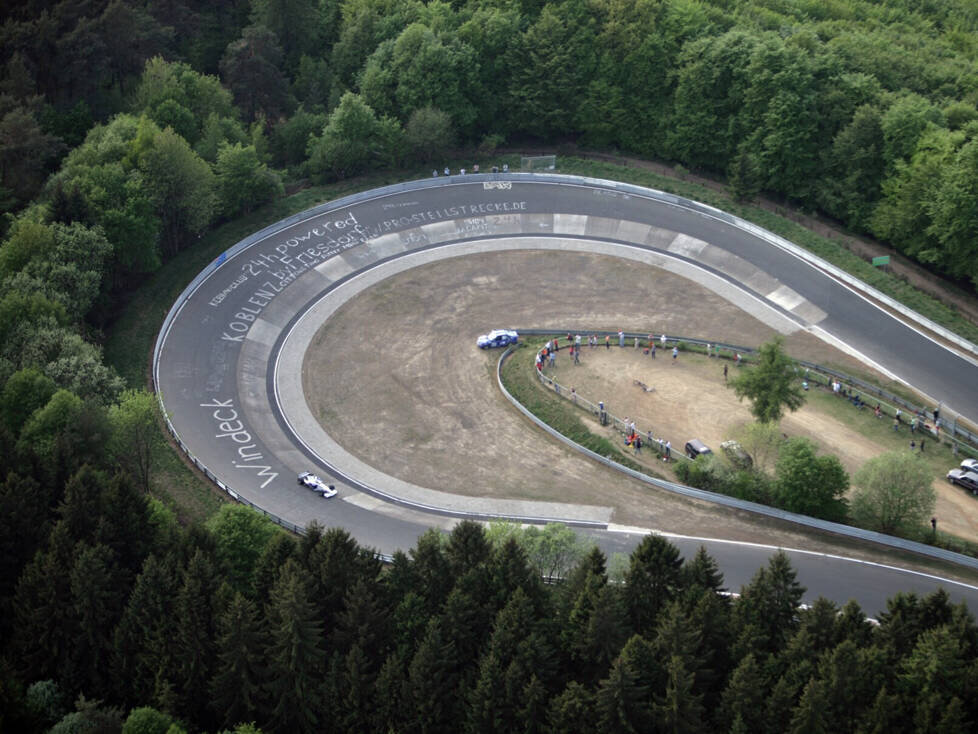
(881, 260)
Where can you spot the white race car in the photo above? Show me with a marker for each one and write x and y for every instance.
(317, 485)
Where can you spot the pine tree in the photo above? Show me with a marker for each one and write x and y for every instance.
(654, 579)
(431, 571)
(238, 674)
(510, 570)
(809, 717)
(194, 641)
(884, 716)
(334, 564)
(143, 635)
(364, 621)
(280, 548)
(355, 702)
(573, 711)
(391, 693)
(769, 604)
(516, 652)
(295, 655)
(852, 676)
(468, 615)
(467, 547)
(679, 710)
(743, 698)
(621, 703)
(432, 683)
(533, 709)
(703, 572)
(25, 521)
(97, 592)
(43, 631)
(676, 636)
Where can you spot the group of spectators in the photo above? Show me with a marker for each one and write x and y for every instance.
(475, 169)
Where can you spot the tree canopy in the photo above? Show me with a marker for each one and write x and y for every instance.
(771, 384)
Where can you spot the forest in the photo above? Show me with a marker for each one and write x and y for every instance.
(129, 128)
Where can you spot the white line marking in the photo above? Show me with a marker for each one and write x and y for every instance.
(763, 546)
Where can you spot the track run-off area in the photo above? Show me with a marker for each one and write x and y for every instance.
(227, 364)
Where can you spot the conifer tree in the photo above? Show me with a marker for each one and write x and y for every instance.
(96, 603)
(679, 710)
(810, 716)
(143, 635)
(621, 703)
(236, 687)
(295, 655)
(467, 547)
(769, 604)
(654, 578)
(572, 711)
(195, 636)
(432, 683)
(354, 705)
(43, 633)
(743, 698)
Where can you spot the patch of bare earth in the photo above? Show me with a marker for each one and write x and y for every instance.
(396, 378)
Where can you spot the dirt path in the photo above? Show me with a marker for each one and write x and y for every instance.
(413, 394)
(688, 400)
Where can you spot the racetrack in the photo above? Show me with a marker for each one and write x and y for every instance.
(216, 358)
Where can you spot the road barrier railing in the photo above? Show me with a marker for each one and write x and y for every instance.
(722, 499)
(490, 179)
(951, 431)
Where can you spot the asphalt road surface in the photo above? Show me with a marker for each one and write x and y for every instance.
(214, 355)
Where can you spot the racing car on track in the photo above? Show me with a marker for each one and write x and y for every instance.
(497, 338)
(317, 485)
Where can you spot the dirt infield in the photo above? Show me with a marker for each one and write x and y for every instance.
(413, 394)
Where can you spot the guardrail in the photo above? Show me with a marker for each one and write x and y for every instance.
(958, 437)
(702, 209)
(722, 499)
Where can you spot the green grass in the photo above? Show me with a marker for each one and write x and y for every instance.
(553, 410)
(191, 497)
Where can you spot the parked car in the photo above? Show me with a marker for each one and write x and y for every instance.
(970, 465)
(966, 479)
(695, 447)
(497, 338)
(317, 485)
(737, 455)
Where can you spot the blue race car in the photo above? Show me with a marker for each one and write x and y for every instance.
(497, 338)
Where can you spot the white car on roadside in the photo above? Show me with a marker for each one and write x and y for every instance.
(317, 485)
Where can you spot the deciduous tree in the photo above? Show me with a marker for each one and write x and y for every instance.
(810, 484)
(771, 385)
(893, 493)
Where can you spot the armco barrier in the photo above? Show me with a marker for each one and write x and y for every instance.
(721, 499)
(556, 179)
(964, 440)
